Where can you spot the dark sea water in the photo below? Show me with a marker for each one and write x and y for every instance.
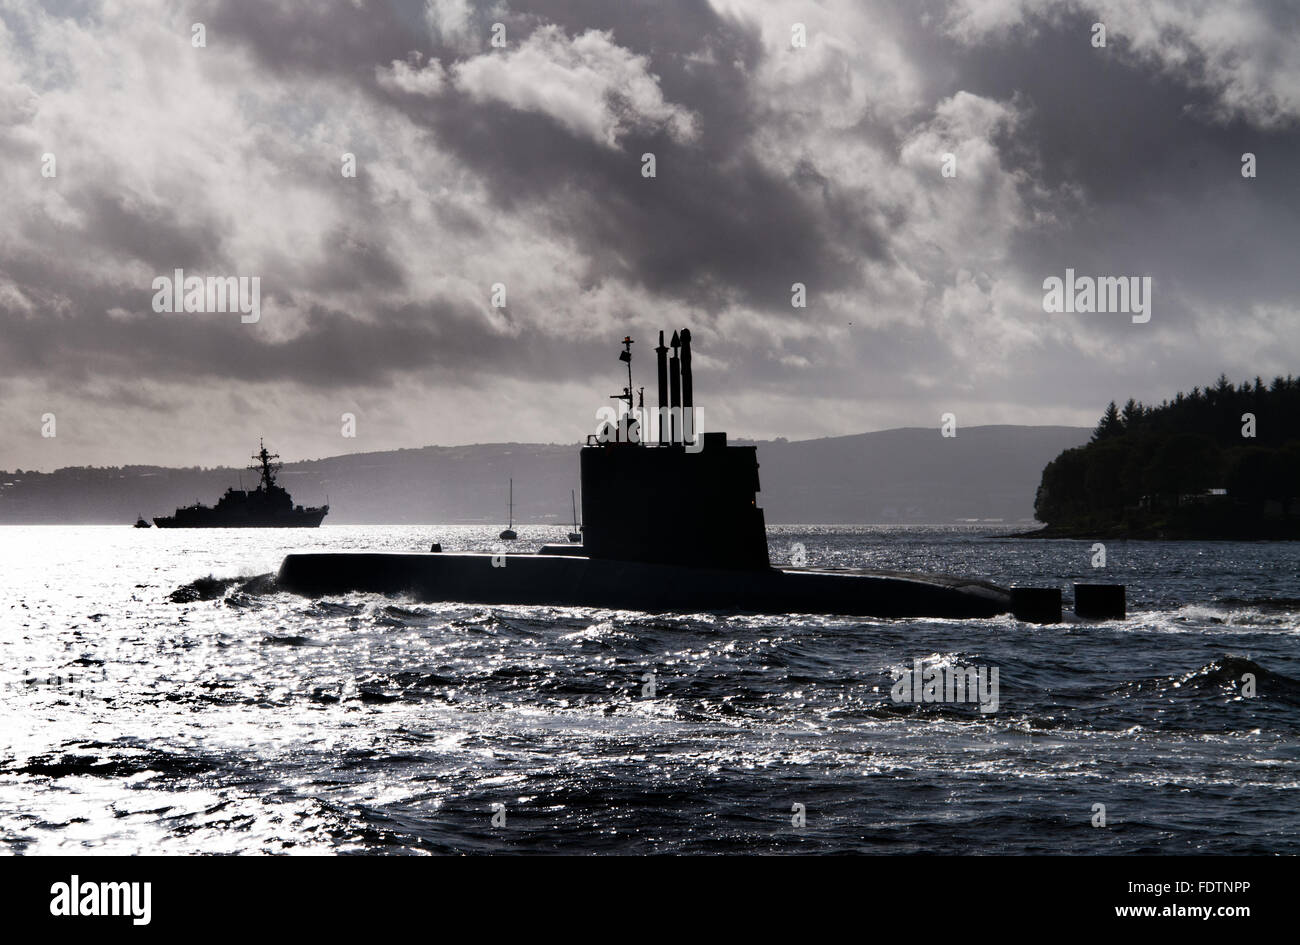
(262, 722)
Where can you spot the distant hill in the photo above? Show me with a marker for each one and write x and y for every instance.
(909, 475)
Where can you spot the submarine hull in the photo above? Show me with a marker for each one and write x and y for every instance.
(575, 580)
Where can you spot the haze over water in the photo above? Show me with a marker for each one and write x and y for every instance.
(263, 722)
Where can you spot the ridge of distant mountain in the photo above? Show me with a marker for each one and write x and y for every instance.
(907, 475)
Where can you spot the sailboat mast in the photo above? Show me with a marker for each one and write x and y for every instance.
(510, 504)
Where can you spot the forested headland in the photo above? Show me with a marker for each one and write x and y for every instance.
(1223, 462)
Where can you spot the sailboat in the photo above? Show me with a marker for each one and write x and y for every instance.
(575, 535)
(509, 533)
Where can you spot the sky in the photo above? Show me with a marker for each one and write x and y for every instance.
(519, 165)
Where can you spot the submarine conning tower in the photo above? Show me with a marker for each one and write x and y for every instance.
(680, 497)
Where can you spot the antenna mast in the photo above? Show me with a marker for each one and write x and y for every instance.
(626, 355)
(265, 465)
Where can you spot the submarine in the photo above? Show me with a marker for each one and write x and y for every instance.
(671, 522)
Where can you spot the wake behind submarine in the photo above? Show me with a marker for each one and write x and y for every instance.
(635, 557)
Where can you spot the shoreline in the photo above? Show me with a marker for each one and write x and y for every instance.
(1150, 534)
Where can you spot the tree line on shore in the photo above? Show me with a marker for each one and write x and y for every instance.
(1224, 459)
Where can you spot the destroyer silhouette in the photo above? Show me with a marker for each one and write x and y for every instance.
(267, 506)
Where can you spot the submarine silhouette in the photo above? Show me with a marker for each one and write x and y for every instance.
(670, 524)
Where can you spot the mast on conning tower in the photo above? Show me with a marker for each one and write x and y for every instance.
(626, 355)
(675, 391)
(661, 364)
(627, 427)
(687, 421)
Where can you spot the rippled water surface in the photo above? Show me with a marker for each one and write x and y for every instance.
(259, 721)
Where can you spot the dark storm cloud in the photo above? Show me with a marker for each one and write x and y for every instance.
(149, 233)
(333, 348)
(339, 40)
(443, 341)
(707, 227)
(356, 259)
(1161, 190)
(714, 226)
(817, 166)
(1113, 126)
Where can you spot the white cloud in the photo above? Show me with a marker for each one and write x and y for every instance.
(853, 69)
(459, 24)
(412, 78)
(589, 84)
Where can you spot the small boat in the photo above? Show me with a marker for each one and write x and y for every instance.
(575, 535)
(141, 523)
(509, 533)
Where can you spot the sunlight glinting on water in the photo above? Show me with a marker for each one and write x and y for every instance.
(259, 721)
